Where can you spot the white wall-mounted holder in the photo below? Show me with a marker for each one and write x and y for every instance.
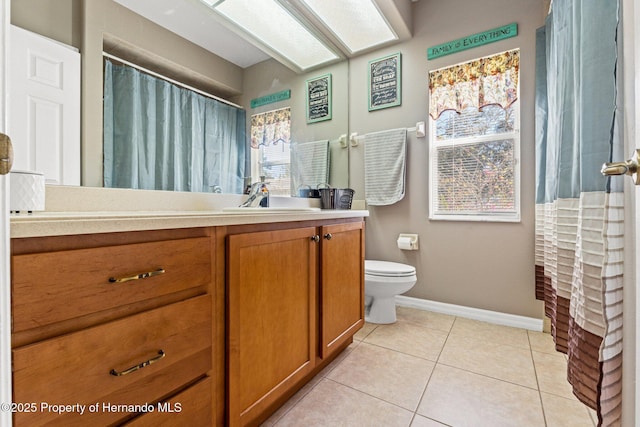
(421, 130)
(408, 242)
(353, 138)
(343, 140)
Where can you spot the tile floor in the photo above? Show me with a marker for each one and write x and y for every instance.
(434, 370)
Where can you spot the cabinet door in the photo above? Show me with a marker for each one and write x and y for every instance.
(271, 317)
(342, 284)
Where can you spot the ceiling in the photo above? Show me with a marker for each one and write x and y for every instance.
(194, 21)
(190, 20)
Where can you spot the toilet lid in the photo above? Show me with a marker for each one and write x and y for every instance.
(388, 269)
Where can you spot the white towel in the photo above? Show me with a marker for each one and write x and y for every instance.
(309, 163)
(384, 166)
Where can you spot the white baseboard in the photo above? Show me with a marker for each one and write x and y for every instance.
(496, 317)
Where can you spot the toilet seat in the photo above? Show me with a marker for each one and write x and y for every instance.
(388, 269)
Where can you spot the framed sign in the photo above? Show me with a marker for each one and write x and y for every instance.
(319, 99)
(473, 40)
(270, 99)
(384, 80)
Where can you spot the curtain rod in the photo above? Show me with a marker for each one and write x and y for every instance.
(170, 80)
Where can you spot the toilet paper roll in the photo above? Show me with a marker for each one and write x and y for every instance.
(27, 191)
(404, 243)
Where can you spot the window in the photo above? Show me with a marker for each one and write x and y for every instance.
(475, 140)
(270, 149)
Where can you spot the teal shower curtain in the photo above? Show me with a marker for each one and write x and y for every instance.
(159, 136)
(579, 213)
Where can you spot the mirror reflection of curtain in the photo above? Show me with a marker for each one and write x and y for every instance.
(580, 213)
(271, 136)
(159, 136)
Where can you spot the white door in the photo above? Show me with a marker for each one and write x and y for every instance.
(44, 100)
(631, 130)
(631, 18)
(5, 289)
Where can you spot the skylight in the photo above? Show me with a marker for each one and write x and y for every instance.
(357, 23)
(270, 24)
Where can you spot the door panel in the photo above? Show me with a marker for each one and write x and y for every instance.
(45, 107)
(271, 318)
(342, 285)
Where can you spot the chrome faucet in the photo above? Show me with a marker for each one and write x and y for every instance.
(258, 196)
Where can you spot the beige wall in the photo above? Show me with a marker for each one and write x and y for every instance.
(57, 19)
(270, 77)
(481, 265)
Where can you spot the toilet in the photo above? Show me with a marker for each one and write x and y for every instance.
(383, 280)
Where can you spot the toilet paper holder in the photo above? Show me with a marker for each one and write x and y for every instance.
(408, 242)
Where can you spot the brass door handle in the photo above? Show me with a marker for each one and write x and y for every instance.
(6, 154)
(160, 355)
(629, 167)
(137, 276)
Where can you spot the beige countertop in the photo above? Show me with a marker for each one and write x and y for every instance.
(80, 210)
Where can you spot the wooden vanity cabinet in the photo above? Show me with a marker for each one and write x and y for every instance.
(341, 285)
(295, 297)
(80, 336)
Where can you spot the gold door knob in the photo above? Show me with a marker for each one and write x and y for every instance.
(6, 154)
(629, 167)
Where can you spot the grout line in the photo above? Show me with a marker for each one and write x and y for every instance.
(431, 375)
(277, 420)
(370, 395)
(535, 371)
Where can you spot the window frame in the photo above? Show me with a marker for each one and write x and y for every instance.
(434, 144)
(257, 165)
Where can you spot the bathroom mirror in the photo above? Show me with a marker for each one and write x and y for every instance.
(96, 25)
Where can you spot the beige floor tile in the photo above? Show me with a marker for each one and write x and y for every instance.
(460, 398)
(420, 421)
(551, 370)
(561, 412)
(428, 319)
(594, 416)
(292, 402)
(542, 342)
(307, 387)
(333, 404)
(389, 375)
(409, 338)
(366, 330)
(490, 332)
(485, 357)
(331, 366)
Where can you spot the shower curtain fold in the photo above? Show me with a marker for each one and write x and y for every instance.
(579, 213)
(159, 136)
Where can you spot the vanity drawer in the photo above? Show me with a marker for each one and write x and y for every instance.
(50, 287)
(82, 367)
(192, 407)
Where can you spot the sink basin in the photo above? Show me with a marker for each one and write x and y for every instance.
(284, 209)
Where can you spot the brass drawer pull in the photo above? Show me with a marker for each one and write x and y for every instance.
(160, 355)
(137, 276)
